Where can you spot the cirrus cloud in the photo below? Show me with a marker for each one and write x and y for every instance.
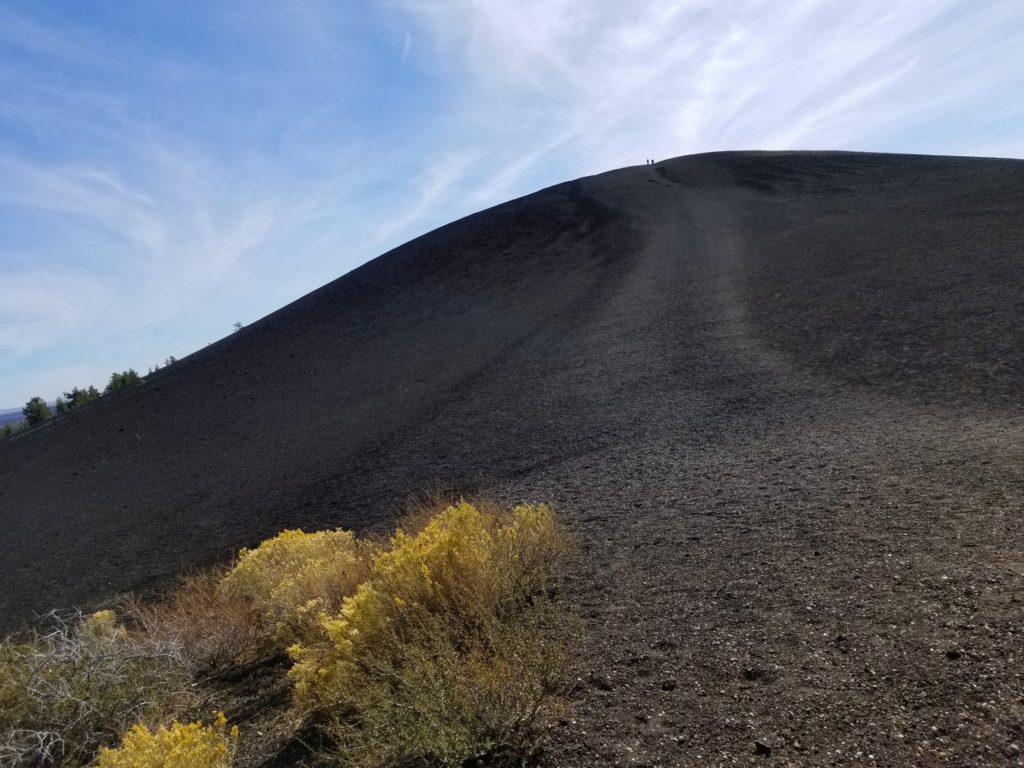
(167, 173)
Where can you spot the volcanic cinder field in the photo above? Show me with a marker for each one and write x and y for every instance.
(775, 397)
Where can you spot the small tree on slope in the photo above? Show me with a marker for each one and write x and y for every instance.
(36, 411)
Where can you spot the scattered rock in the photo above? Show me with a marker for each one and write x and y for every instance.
(753, 674)
(1012, 750)
(600, 682)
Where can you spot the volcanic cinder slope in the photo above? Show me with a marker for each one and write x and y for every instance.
(777, 397)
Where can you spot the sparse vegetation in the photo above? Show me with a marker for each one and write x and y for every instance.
(439, 645)
(37, 411)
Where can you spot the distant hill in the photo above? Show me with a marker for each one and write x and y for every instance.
(10, 416)
(776, 398)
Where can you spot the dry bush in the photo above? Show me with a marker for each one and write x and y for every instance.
(180, 746)
(417, 509)
(66, 693)
(294, 577)
(210, 628)
(452, 648)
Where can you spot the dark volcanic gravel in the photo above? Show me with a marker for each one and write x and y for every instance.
(777, 397)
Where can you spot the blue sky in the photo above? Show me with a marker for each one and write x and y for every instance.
(169, 168)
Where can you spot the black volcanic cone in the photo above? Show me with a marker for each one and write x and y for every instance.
(777, 397)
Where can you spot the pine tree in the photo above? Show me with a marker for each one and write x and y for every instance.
(36, 411)
(121, 380)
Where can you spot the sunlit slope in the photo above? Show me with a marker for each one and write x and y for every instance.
(650, 304)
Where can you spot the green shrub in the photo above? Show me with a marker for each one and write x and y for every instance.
(181, 746)
(76, 397)
(67, 693)
(36, 411)
(294, 577)
(121, 380)
(452, 648)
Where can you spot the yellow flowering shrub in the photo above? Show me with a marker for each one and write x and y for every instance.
(101, 623)
(180, 746)
(451, 647)
(295, 576)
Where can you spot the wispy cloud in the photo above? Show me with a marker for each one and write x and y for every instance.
(406, 47)
(621, 82)
(166, 233)
(434, 187)
(42, 304)
(167, 174)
